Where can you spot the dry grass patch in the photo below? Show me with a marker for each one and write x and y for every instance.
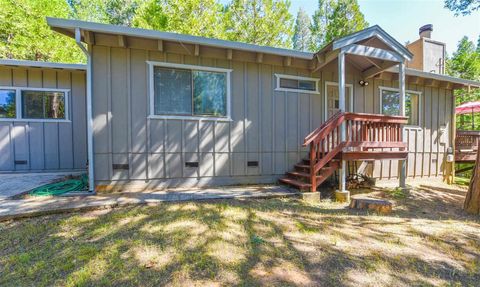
(426, 241)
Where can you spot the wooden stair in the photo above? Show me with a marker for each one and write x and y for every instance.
(363, 132)
(300, 177)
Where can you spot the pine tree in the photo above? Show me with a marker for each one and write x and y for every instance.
(302, 35)
(335, 19)
(25, 35)
(465, 63)
(193, 17)
(261, 22)
(116, 12)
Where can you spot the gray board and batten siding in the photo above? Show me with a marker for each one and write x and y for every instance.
(45, 145)
(267, 126)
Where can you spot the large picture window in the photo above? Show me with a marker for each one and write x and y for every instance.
(390, 104)
(189, 91)
(30, 104)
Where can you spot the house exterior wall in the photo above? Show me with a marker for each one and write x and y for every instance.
(45, 145)
(267, 126)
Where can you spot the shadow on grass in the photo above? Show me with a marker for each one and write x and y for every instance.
(236, 242)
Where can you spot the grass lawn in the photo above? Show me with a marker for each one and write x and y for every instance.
(426, 241)
(462, 181)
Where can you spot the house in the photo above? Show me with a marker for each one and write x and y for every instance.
(42, 116)
(167, 110)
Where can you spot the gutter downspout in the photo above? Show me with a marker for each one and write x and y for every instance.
(91, 180)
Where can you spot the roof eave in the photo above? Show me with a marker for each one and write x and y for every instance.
(445, 78)
(65, 24)
(38, 64)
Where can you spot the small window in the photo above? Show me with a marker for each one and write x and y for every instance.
(189, 92)
(43, 105)
(7, 104)
(296, 84)
(391, 105)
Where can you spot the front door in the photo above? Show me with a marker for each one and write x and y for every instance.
(333, 103)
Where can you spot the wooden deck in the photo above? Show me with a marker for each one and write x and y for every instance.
(466, 146)
(368, 137)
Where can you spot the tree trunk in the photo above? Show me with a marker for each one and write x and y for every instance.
(472, 201)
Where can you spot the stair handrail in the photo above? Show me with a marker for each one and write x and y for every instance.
(320, 130)
(324, 131)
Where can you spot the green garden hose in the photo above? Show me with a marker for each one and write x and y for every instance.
(62, 187)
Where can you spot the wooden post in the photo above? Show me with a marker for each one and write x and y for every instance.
(341, 97)
(313, 174)
(401, 82)
(472, 200)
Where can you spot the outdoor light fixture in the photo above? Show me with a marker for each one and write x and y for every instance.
(363, 83)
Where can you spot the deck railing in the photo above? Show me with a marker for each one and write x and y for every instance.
(466, 146)
(467, 140)
(363, 131)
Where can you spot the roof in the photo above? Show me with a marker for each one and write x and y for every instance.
(373, 31)
(38, 64)
(69, 26)
(467, 108)
(438, 77)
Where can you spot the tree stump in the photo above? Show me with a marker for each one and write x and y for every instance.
(472, 200)
(378, 205)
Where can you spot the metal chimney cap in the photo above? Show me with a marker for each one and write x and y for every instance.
(425, 28)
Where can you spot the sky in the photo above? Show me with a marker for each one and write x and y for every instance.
(402, 18)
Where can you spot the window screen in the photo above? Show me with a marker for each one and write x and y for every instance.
(173, 91)
(43, 105)
(7, 104)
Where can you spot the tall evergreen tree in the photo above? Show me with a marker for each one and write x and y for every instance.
(24, 33)
(301, 34)
(117, 12)
(261, 22)
(335, 19)
(194, 17)
(465, 63)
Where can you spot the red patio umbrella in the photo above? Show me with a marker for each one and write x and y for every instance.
(467, 108)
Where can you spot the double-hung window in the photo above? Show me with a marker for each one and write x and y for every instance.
(178, 90)
(26, 104)
(390, 104)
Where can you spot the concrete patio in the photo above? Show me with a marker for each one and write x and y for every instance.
(35, 206)
(12, 184)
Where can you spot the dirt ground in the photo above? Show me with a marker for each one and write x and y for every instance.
(426, 241)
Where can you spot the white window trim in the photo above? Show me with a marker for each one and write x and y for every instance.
(152, 115)
(292, 77)
(420, 119)
(18, 104)
(328, 83)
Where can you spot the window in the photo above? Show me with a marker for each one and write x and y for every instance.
(43, 105)
(390, 101)
(296, 84)
(33, 104)
(7, 104)
(184, 90)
